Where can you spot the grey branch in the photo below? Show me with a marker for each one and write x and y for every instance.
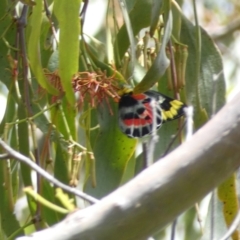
(163, 191)
(16, 155)
(226, 31)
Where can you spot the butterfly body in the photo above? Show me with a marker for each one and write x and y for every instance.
(141, 114)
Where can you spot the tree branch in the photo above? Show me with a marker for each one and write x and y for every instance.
(226, 30)
(16, 155)
(163, 191)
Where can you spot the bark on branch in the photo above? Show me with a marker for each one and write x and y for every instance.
(163, 191)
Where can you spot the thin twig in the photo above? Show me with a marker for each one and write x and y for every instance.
(131, 37)
(173, 140)
(145, 154)
(14, 154)
(226, 30)
(37, 159)
(173, 71)
(83, 13)
(199, 218)
(4, 156)
(212, 214)
(173, 229)
(49, 17)
(21, 23)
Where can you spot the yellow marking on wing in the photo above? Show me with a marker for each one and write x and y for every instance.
(168, 114)
(164, 117)
(176, 104)
(173, 111)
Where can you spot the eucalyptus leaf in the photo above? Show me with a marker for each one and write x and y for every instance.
(68, 17)
(160, 63)
(33, 48)
(156, 9)
(140, 18)
(112, 151)
(201, 92)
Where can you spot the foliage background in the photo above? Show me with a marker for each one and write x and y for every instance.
(105, 156)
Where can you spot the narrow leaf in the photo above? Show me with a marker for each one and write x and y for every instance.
(33, 48)
(160, 64)
(156, 7)
(140, 18)
(112, 151)
(67, 14)
(227, 193)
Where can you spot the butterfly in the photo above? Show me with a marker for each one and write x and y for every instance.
(141, 114)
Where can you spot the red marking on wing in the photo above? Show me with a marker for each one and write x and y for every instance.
(148, 111)
(137, 122)
(140, 96)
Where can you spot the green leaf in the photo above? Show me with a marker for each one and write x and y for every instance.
(200, 92)
(129, 172)
(63, 117)
(7, 39)
(24, 145)
(53, 63)
(112, 151)
(46, 40)
(168, 129)
(67, 14)
(177, 18)
(49, 215)
(156, 8)
(140, 18)
(9, 114)
(9, 178)
(8, 219)
(60, 165)
(160, 64)
(34, 50)
(110, 72)
(227, 193)
(131, 38)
